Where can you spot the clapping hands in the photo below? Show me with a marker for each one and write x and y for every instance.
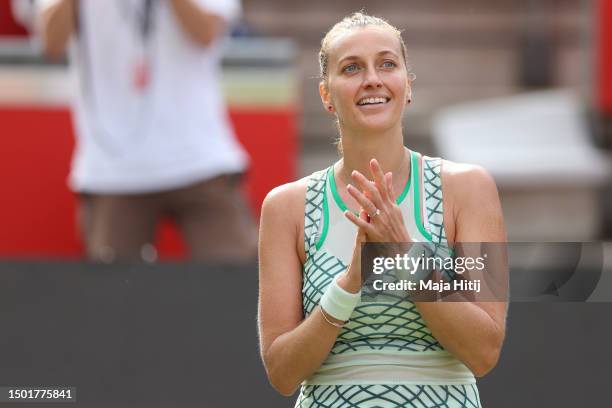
(380, 218)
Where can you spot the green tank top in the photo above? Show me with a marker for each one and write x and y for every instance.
(386, 341)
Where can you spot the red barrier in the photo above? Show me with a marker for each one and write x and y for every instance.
(37, 210)
(603, 85)
(8, 26)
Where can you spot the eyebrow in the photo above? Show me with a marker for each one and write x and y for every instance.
(352, 57)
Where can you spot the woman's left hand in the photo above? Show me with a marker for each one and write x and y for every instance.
(384, 221)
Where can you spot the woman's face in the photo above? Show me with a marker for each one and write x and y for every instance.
(368, 83)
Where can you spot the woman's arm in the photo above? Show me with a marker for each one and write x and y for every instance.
(292, 348)
(472, 331)
(56, 24)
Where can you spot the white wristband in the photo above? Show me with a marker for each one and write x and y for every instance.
(337, 302)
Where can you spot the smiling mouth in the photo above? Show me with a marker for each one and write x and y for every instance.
(379, 100)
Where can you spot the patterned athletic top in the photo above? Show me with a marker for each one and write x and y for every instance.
(386, 356)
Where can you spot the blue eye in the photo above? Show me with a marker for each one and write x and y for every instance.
(389, 64)
(350, 68)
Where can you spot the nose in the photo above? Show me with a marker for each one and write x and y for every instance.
(372, 79)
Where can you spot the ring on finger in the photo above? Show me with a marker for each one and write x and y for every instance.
(376, 213)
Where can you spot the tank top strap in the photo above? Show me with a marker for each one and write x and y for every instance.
(432, 186)
(315, 198)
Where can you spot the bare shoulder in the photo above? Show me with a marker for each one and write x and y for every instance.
(287, 199)
(468, 190)
(472, 208)
(467, 179)
(282, 215)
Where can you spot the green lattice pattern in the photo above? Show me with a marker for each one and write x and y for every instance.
(388, 396)
(433, 198)
(394, 324)
(318, 273)
(315, 193)
(432, 184)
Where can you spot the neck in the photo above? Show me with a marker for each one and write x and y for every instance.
(387, 147)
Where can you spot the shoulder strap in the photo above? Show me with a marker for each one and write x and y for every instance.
(315, 194)
(432, 186)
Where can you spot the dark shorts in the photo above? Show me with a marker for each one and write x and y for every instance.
(212, 215)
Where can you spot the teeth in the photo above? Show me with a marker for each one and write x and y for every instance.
(368, 101)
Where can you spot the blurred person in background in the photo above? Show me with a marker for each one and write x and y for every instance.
(315, 330)
(153, 136)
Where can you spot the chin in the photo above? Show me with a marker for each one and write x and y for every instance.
(379, 124)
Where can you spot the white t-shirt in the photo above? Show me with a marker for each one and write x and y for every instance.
(173, 132)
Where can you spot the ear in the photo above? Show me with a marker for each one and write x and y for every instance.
(411, 78)
(408, 92)
(324, 92)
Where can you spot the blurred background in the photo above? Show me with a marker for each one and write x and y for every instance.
(516, 86)
(523, 88)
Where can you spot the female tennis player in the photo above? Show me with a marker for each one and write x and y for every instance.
(314, 329)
